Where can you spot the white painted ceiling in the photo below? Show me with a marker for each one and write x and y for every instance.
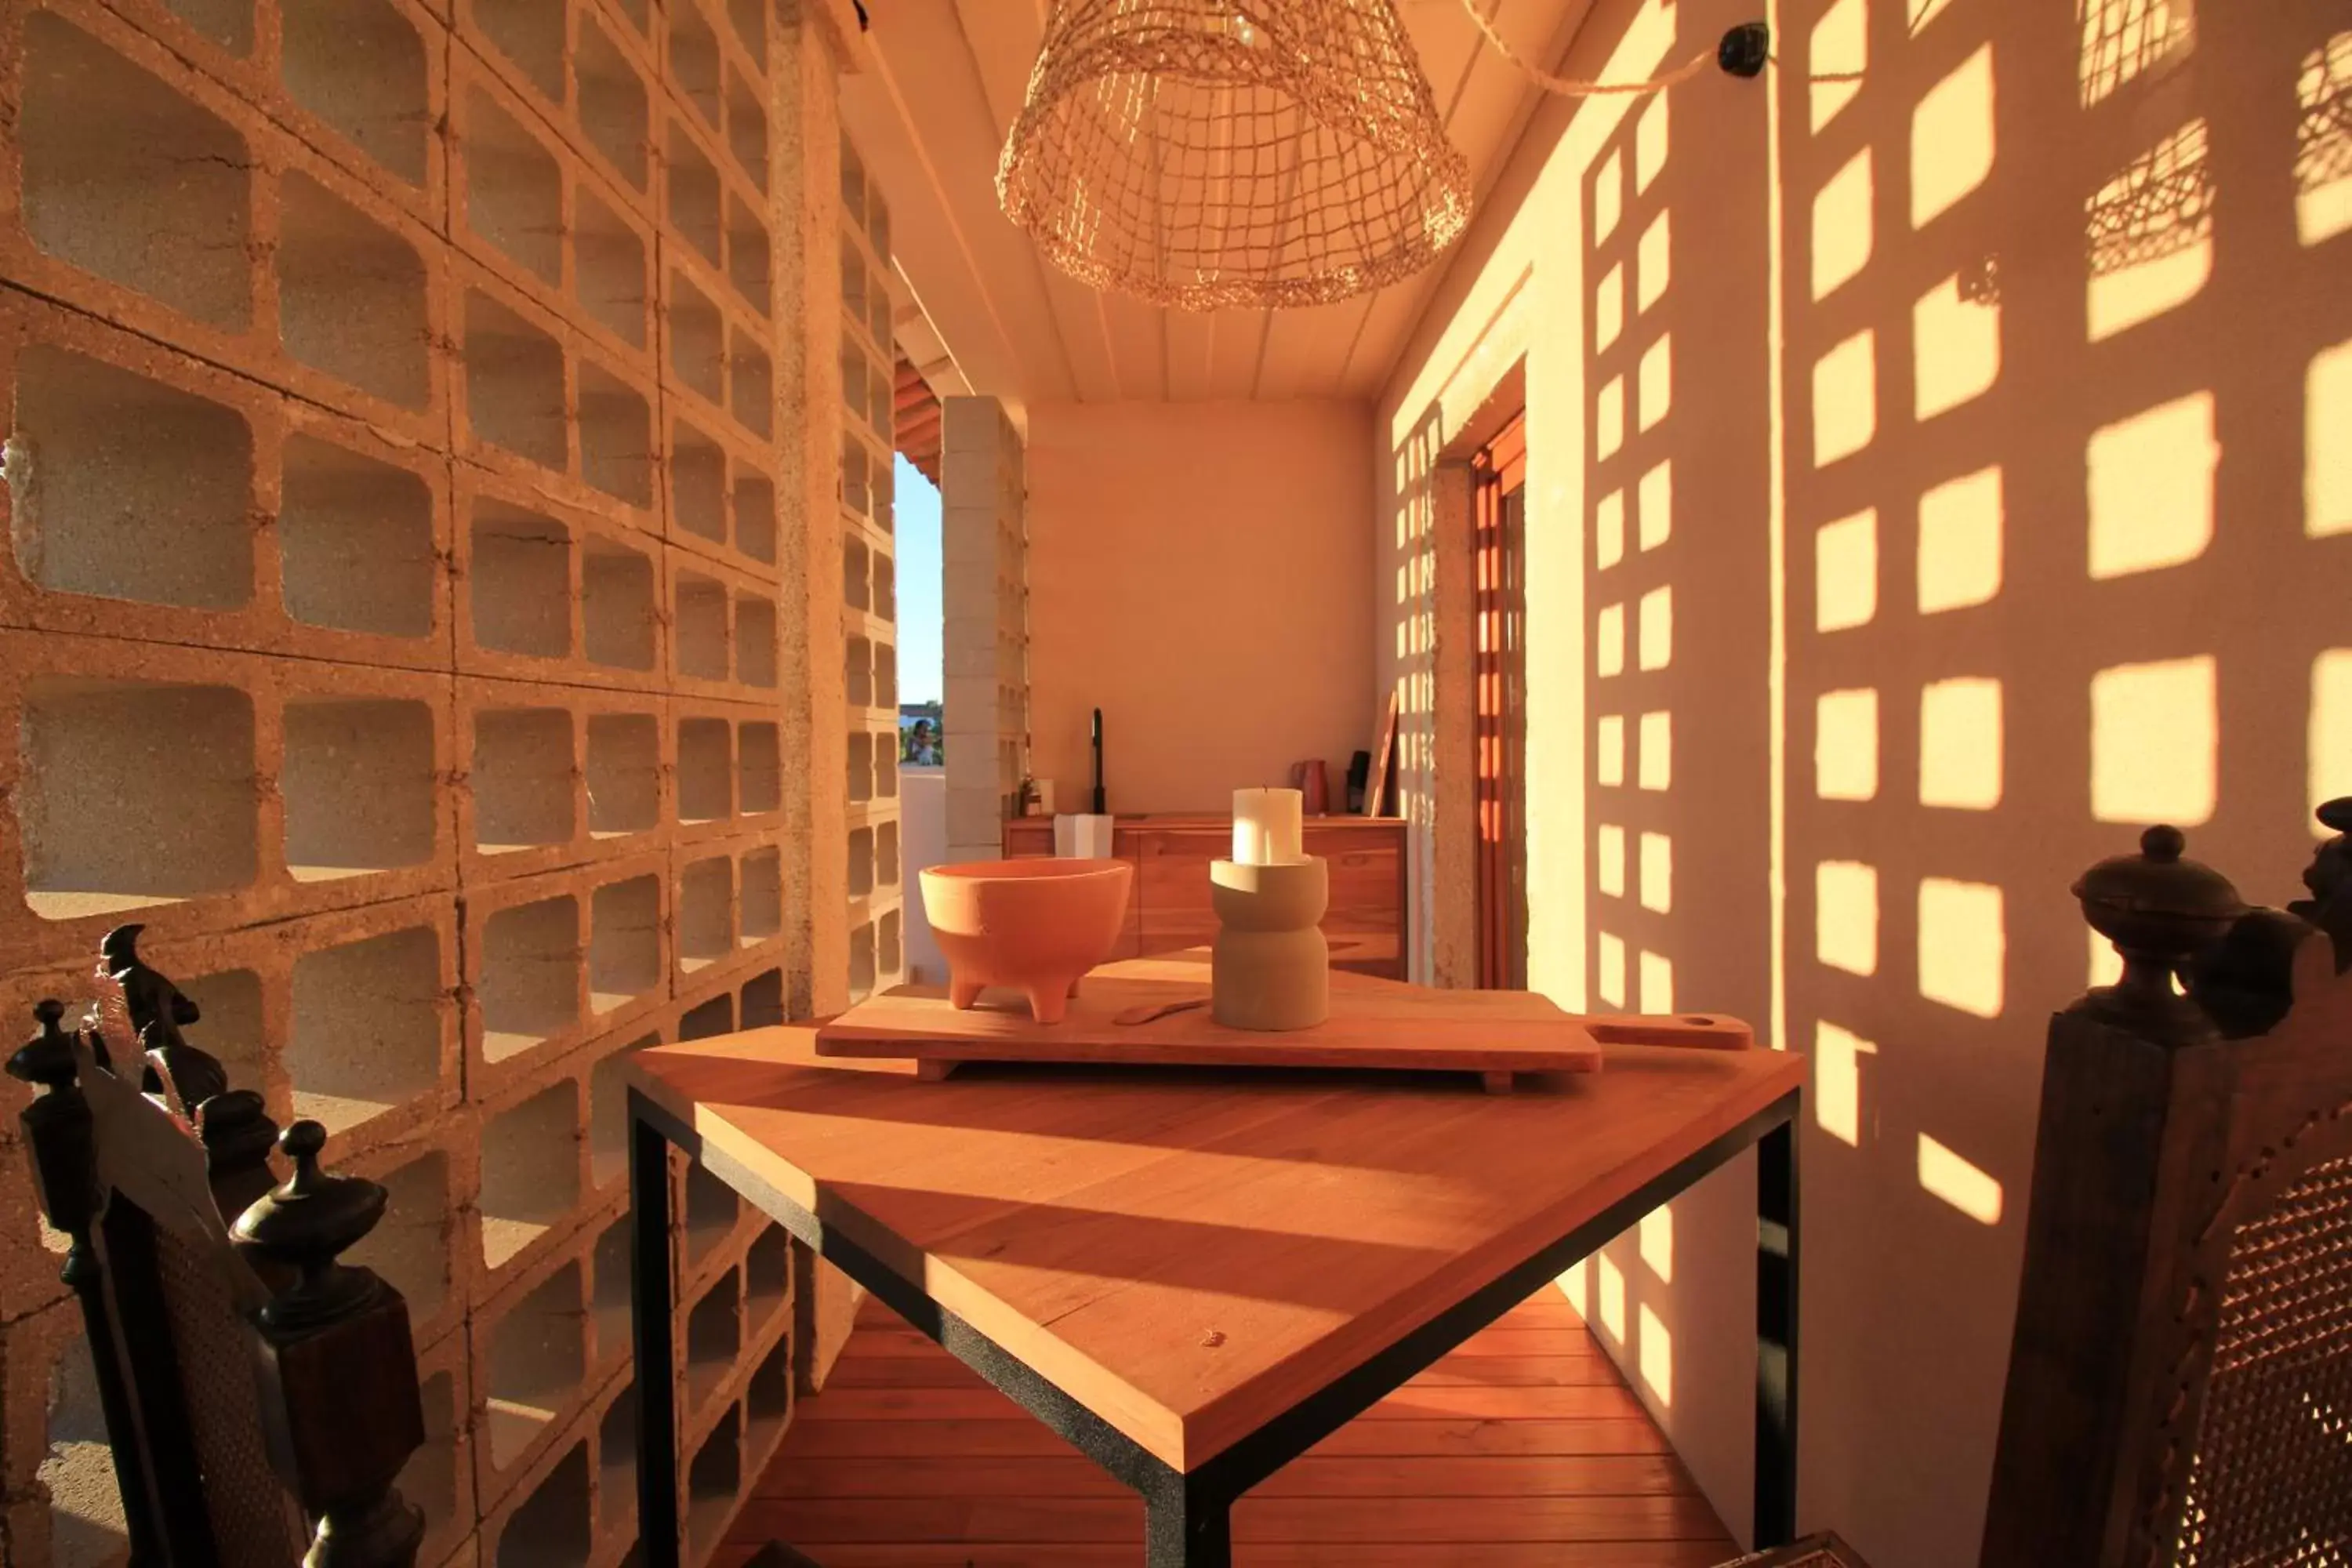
(928, 118)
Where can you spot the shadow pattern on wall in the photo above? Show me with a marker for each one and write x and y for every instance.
(2063, 333)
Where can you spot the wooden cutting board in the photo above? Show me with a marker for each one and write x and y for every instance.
(1373, 1024)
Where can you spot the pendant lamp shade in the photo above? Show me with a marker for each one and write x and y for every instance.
(1210, 153)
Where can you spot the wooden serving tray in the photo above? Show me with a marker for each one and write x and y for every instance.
(1373, 1024)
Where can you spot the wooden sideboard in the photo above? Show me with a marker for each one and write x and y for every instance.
(1172, 854)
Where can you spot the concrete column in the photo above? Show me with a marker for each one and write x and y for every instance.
(984, 550)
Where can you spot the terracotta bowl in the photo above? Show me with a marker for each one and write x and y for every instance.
(1033, 925)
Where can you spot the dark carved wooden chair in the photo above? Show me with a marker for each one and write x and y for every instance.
(260, 1397)
(2179, 1386)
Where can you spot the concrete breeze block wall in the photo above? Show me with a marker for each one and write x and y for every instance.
(870, 612)
(408, 616)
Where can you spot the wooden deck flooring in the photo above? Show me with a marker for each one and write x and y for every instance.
(1523, 1447)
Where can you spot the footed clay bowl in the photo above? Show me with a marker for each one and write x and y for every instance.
(1033, 925)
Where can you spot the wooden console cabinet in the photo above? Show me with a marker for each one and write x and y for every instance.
(1171, 854)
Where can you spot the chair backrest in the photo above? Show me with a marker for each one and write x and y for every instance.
(257, 1393)
(2179, 1390)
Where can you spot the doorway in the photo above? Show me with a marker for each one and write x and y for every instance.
(1498, 565)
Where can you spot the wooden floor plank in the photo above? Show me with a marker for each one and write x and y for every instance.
(1519, 1370)
(1015, 1433)
(1073, 1475)
(813, 1523)
(1414, 1402)
(1444, 1555)
(1522, 1449)
(1534, 1333)
(938, 1371)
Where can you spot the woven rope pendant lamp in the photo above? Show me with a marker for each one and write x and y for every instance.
(1206, 153)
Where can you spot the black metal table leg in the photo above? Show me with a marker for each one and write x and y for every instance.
(649, 1304)
(1776, 1336)
(1184, 1526)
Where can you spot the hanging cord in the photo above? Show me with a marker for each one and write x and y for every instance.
(1818, 77)
(1569, 88)
(1744, 52)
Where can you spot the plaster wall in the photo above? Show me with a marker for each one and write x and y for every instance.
(1201, 572)
(1932, 480)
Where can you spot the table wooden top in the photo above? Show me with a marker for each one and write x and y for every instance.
(1191, 1253)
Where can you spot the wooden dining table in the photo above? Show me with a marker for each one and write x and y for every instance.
(1195, 1276)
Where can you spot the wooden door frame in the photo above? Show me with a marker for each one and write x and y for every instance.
(1452, 918)
(1499, 472)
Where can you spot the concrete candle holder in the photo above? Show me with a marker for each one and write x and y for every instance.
(1271, 969)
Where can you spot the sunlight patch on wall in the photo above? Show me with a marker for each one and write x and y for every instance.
(1575, 1284)
(1657, 1242)
(1657, 881)
(1963, 945)
(1608, 530)
(1610, 1292)
(1945, 1174)
(1840, 46)
(1960, 542)
(1955, 349)
(2123, 38)
(1656, 746)
(2106, 964)
(2151, 488)
(1654, 644)
(2323, 150)
(1608, 197)
(1960, 744)
(1608, 641)
(1846, 399)
(1611, 963)
(2326, 446)
(2153, 741)
(2149, 234)
(1656, 1355)
(1655, 510)
(1654, 391)
(1650, 142)
(1609, 749)
(1608, 308)
(1657, 983)
(1609, 418)
(1845, 744)
(1952, 138)
(1841, 225)
(1837, 1080)
(1845, 916)
(1653, 262)
(1609, 859)
(1845, 573)
(2330, 730)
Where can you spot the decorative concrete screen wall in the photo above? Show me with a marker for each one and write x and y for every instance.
(402, 621)
(869, 616)
(985, 595)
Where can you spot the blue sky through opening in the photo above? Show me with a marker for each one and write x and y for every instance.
(921, 613)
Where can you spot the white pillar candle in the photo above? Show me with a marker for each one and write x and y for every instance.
(1268, 827)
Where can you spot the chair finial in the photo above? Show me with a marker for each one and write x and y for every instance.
(2160, 910)
(306, 1224)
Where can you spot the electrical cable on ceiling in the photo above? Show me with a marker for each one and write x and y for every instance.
(1744, 50)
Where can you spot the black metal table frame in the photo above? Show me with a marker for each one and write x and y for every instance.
(1187, 1515)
